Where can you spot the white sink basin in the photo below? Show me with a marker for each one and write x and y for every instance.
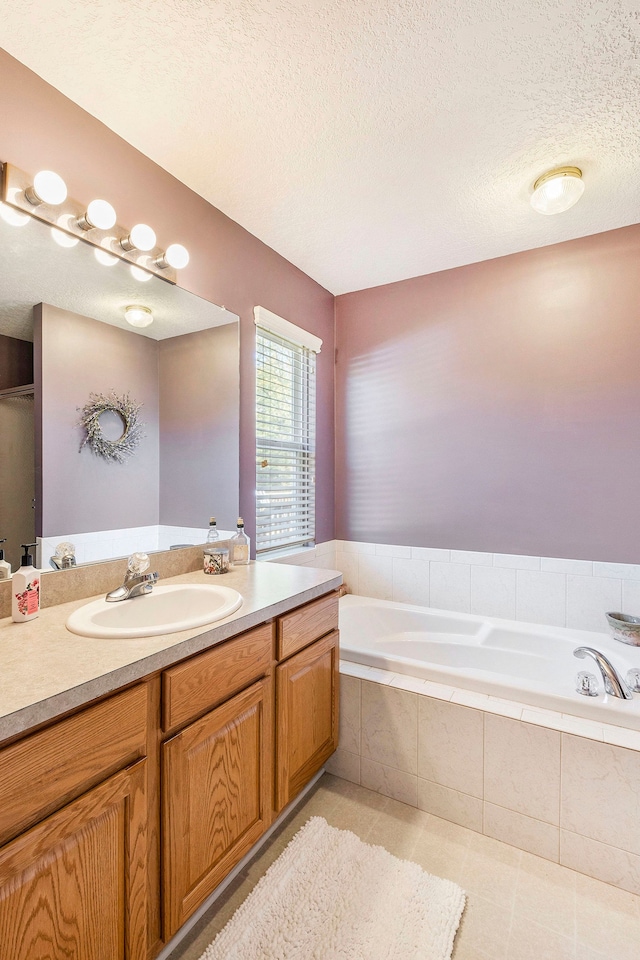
(167, 609)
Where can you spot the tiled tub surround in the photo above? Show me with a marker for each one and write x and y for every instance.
(563, 788)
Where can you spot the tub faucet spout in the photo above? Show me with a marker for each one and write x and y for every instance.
(613, 683)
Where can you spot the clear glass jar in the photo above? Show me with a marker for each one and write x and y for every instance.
(216, 560)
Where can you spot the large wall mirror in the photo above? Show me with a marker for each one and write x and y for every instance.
(64, 337)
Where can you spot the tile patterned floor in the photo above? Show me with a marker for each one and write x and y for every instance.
(519, 907)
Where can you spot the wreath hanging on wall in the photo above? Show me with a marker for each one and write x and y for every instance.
(127, 409)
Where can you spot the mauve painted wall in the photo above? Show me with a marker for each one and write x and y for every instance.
(39, 128)
(496, 406)
(199, 427)
(76, 356)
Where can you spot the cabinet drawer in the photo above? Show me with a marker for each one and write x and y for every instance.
(306, 624)
(47, 769)
(198, 684)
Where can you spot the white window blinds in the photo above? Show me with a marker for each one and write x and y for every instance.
(285, 441)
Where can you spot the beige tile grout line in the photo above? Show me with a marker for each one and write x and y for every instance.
(484, 754)
(560, 796)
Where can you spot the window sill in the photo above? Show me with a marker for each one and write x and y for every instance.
(288, 553)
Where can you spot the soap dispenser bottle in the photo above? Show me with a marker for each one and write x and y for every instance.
(25, 589)
(5, 566)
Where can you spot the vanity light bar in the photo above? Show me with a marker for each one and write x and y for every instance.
(94, 223)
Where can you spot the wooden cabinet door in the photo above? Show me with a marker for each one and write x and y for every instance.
(306, 715)
(74, 887)
(216, 793)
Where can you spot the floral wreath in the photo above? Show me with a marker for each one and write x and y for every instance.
(127, 409)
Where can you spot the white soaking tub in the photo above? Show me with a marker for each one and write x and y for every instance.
(529, 663)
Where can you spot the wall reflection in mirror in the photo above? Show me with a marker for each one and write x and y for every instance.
(63, 337)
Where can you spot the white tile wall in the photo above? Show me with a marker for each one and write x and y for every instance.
(493, 592)
(322, 555)
(450, 586)
(541, 597)
(105, 544)
(549, 590)
(588, 598)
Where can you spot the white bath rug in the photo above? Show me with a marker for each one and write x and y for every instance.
(329, 896)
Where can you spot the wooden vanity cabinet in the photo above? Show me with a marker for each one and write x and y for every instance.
(75, 883)
(218, 770)
(307, 687)
(117, 822)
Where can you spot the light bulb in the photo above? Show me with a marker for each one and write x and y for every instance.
(139, 274)
(557, 191)
(99, 214)
(48, 187)
(141, 237)
(63, 239)
(13, 217)
(176, 256)
(138, 316)
(101, 255)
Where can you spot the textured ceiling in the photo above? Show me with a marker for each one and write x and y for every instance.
(365, 140)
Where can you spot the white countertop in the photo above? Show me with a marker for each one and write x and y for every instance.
(46, 671)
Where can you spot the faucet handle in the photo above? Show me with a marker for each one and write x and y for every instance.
(137, 564)
(633, 679)
(586, 684)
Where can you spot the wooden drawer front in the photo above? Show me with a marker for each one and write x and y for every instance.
(216, 798)
(307, 690)
(302, 626)
(197, 685)
(44, 771)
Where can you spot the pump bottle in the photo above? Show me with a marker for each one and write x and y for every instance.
(25, 588)
(5, 566)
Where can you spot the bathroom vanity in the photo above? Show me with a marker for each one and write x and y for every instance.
(126, 798)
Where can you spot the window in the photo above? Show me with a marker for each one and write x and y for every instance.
(285, 433)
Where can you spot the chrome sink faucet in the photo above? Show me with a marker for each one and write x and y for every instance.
(136, 581)
(613, 683)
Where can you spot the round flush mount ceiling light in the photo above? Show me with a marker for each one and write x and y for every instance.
(48, 187)
(141, 237)
(99, 214)
(138, 316)
(557, 190)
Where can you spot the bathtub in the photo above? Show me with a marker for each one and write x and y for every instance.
(527, 663)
